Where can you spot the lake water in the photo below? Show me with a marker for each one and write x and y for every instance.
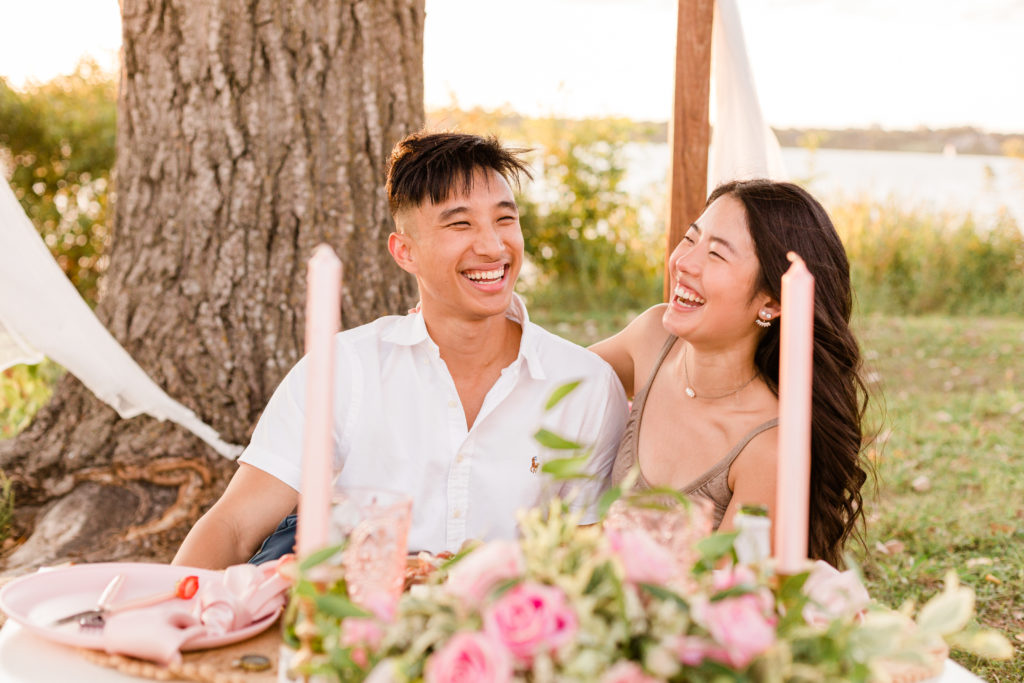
(983, 185)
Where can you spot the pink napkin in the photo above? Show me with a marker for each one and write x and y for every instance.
(245, 594)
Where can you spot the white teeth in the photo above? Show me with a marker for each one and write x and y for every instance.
(486, 274)
(685, 295)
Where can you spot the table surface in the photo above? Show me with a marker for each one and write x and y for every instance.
(27, 658)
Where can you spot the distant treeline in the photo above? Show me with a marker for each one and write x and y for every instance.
(964, 140)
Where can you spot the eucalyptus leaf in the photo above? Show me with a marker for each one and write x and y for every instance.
(319, 557)
(551, 440)
(983, 643)
(716, 546)
(663, 593)
(948, 612)
(567, 468)
(560, 393)
(880, 632)
(338, 606)
(606, 500)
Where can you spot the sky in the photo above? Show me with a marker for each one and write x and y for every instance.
(897, 64)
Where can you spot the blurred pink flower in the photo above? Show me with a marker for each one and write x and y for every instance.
(627, 672)
(643, 559)
(833, 594)
(692, 650)
(381, 604)
(473, 577)
(469, 657)
(732, 576)
(741, 626)
(531, 618)
(361, 634)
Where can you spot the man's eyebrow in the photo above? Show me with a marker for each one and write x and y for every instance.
(448, 213)
(508, 205)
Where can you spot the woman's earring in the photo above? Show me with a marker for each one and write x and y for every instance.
(764, 320)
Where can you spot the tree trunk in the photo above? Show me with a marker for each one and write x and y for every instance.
(248, 132)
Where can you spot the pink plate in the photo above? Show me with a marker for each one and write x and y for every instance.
(37, 600)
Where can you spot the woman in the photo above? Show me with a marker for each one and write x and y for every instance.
(704, 368)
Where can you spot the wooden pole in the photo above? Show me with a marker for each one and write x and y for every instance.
(690, 132)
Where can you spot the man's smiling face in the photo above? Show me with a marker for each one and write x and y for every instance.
(465, 251)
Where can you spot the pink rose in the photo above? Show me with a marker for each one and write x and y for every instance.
(531, 618)
(732, 576)
(833, 594)
(741, 626)
(469, 657)
(692, 650)
(381, 604)
(473, 577)
(643, 559)
(627, 672)
(361, 634)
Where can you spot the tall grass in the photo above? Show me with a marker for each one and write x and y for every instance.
(926, 262)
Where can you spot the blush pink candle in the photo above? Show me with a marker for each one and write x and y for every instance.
(323, 318)
(795, 368)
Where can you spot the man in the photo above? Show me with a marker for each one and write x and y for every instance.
(442, 403)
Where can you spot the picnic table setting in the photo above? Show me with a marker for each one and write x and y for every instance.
(649, 594)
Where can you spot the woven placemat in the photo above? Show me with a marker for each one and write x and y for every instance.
(219, 665)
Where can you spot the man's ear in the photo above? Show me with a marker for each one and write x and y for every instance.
(401, 250)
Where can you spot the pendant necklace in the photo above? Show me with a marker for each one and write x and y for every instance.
(693, 394)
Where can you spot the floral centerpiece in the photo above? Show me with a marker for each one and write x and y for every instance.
(614, 604)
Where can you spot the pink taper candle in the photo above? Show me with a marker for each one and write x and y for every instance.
(795, 367)
(323, 317)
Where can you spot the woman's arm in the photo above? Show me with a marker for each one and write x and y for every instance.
(753, 477)
(622, 350)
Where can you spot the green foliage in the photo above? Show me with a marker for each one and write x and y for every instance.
(949, 467)
(6, 506)
(582, 230)
(920, 262)
(57, 144)
(23, 390)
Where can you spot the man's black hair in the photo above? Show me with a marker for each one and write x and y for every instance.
(434, 165)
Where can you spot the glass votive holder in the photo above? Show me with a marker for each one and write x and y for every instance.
(374, 526)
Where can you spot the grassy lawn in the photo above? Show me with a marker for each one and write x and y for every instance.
(949, 460)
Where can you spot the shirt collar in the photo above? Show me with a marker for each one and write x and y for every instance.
(411, 330)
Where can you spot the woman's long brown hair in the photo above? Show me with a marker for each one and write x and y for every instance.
(783, 217)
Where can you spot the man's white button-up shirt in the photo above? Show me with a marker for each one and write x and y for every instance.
(399, 425)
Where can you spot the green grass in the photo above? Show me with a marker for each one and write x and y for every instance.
(951, 423)
(951, 475)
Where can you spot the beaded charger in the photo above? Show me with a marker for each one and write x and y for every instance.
(254, 659)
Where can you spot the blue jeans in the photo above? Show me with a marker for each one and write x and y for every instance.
(279, 543)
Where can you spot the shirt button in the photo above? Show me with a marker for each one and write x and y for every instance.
(452, 404)
(457, 514)
(460, 458)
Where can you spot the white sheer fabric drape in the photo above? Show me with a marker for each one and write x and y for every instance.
(742, 144)
(41, 313)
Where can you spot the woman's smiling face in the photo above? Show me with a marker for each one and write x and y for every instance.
(714, 273)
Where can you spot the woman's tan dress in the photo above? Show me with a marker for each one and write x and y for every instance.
(713, 484)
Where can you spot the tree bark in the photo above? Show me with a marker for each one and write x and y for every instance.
(248, 132)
